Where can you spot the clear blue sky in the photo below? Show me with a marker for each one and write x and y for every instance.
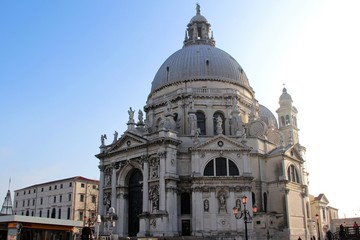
(70, 70)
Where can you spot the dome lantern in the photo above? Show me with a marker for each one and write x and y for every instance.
(198, 31)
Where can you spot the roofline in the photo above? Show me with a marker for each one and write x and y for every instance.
(76, 178)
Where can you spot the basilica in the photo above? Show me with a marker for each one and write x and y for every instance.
(204, 158)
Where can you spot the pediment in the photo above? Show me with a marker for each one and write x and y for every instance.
(293, 152)
(126, 141)
(222, 143)
(322, 198)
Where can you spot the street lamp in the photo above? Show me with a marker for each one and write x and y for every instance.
(318, 227)
(244, 213)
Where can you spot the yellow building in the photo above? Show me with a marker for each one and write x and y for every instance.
(73, 198)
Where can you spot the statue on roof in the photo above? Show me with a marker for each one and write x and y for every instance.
(131, 115)
(103, 137)
(197, 8)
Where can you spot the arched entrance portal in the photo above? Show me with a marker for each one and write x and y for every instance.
(135, 202)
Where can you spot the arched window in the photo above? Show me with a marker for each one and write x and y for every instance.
(282, 121)
(287, 120)
(293, 174)
(216, 115)
(201, 122)
(221, 167)
(185, 203)
(295, 121)
(253, 197)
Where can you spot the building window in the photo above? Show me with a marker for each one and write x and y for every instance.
(293, 174)
(41, 201)
(69, 197)
(16, 204)
(42, 189)
(53, 213)
(49, 188)
(29, 191)
(201, 122)
(54, 199)
(48, 213)
(93, 199)
(32, 213)
(185, 203)
(60, 198)
(94, 187)
(221, 167)
(55, 187)
(24, 192)
(70, 184)
(40, 213)
(59, 213)
(82, 185)
(34, 191)
(282, 124)
(68, 213)
(33, 203)
(81, 216)
(61, 185)
(82, 197)
(28, 202)
(23, 203)
(287, 120)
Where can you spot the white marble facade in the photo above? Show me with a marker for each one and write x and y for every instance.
(205, 143)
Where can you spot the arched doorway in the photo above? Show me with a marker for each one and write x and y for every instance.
(135, 202)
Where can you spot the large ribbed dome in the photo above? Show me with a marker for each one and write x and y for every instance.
(199, 59)
(199, 62)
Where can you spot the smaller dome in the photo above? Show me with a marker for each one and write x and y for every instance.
(285, 96)
(198, 17)
(268, 117)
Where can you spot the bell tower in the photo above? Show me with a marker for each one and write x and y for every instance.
(287, 116)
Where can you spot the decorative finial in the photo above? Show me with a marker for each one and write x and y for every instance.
(197, 9)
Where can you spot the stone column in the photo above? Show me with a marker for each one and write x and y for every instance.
(146, 185)
(113, 187)
(162, 155)
(101, 191)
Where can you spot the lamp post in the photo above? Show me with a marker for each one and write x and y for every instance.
(318, 227)
(244, 213)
